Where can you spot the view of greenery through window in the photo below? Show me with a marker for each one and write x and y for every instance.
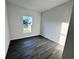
(27, 23)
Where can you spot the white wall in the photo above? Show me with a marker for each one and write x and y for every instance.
(68, 52)
(55, 22)
(15, 20)
(7, 34)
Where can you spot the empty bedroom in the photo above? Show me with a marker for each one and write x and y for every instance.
(37, 29)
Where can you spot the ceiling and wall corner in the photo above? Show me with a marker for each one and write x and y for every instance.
(37, 5)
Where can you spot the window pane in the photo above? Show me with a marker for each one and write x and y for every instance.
(27, 23)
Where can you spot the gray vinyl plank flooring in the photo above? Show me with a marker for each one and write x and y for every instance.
(34, 48)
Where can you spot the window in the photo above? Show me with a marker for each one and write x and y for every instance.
(27, 23)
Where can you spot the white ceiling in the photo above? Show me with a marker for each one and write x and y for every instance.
(37, 5)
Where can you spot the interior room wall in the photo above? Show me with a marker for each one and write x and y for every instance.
(7, 33)
(55, 22)
(16, 24)
(68, 52)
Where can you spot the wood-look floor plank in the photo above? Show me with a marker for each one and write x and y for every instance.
(34, 48)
